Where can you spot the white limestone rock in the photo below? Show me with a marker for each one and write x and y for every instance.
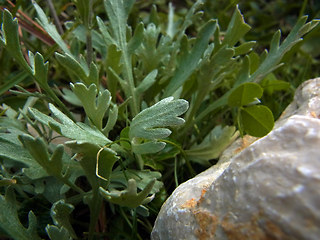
(268, 190)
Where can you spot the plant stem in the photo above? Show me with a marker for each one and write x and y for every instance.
(55, 16)
(95, 207)
(129, 77)
(89, 35)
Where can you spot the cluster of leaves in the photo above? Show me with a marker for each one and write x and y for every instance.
(100, 127)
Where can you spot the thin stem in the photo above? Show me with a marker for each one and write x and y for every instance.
(89, 35)
(55, 16)
(95, 207)
(176, 172)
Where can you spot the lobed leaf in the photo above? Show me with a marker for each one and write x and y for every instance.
(10, 222)
(129, 197)
(94, 103)
(151, 123)
(60, 214)
(56, 233)
(190, 62)
(212, 145)
(77, 131)
(50, 28)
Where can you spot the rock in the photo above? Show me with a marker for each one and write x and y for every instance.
(267, 190)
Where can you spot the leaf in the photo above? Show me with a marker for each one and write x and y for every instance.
(244, 48)
(270, 84)
(190, 60)
(10, 39)
(136, 39)
(87, 76)
(270, 62)
(11, 148)
(77, 131)
(83, 10)
(212, 145)
(60, 214)
(142, 178)
(151, 123)
(95, 103)
(13, 80)
(257, 120)
(56, 233)
(38, 150)
(96, 165)
(129, 197)
(147, 82)
(237, 28)
(118, 12)
(9, 220)
(245, 94)
(105, 33)
(40, 70)
(50, 28)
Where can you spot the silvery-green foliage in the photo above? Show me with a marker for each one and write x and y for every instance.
(152, 99)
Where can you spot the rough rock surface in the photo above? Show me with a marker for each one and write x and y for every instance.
(267, 190)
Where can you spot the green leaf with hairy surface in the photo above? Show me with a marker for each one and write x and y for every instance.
(10, 222)
(83, 10)
(257, 120)
(270, 62)
(237, 28)
(77, 131)
(95, 164)
(129, 197)
(147, 82)
(60, 214)
(12, 149)
(245, 94)
(136, 39)
(118, 12)
(10, 39)
(191, 59)
(142, 177)
(56, 233)
(95, 104)
(88, 76)
(53, 164)
(38, 150)
(50, 28)
(151, 123)
(212, 145)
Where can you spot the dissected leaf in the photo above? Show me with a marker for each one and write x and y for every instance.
(10, 222)
(257, 120)
(39, 151)
(77, 131)
(11, 39)
(151, 123)
(56, 233)
(50, 28)
(270, 62)
(142, 177)
(88, 76)
(129, 197)
(212, 145)
(60, 213)
(94, 102)
(237, 28)
(190, 60)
